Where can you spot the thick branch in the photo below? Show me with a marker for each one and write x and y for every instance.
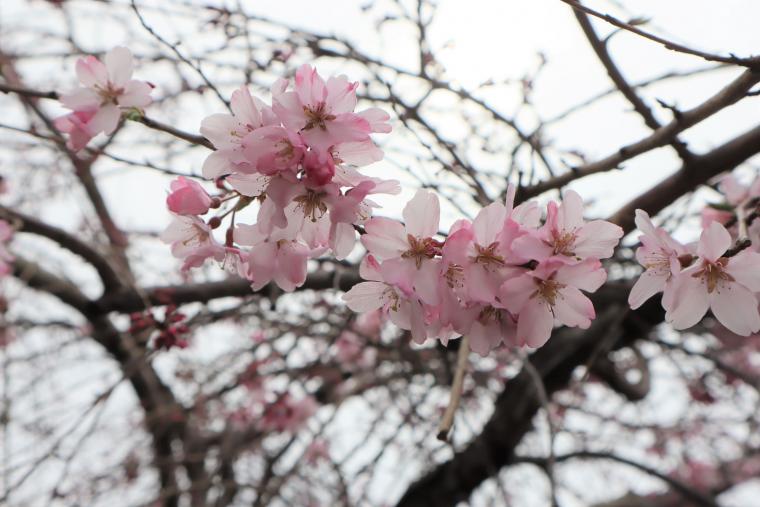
(751, 63)
(68, 241)
(600, 48)
(731, 94)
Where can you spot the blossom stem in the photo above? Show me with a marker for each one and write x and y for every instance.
(741, 219)
(456, 390)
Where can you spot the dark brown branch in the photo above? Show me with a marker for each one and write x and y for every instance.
(25, 223)
(129, 301)
(600, 48)
(686, 491)
(751, 63)
(697, 172)
(730, 94)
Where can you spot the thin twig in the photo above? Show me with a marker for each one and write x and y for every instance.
(751, 63)
(456, 390)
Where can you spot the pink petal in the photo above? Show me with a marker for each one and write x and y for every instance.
(341, 94)
(385, 238)
(422, 214)
(514, 293)
(136, 94)
(377, 119)
(365, 296)
(530, 246)
(427, 281)
(81, 99)
(736, 308)
(745, 268)
(484, 338)
(597, 239)
(251, 185)
(217, 164)
(713, 242)
(309, 86)
(734, 191)
(573, 308)
(587, 275)
(534, 324)
(119, 64)
(687, 301)
(91, 72)
(262, 264)
(570, 213)
(649, 283)
(106, 119)
(218, 129)
(291, 266)
(343, 239)
(488, 223)
(244, 108)
(357, 153)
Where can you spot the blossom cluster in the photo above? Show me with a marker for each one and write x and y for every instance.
(297, 159)
(107, 89)
(503, 278)
(721, 272)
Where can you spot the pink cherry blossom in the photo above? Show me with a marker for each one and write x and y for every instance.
(567, 236)
(97, 104)
(188, 198)
(408, 250)
(725, 285)
(402, 308)
(549, 293)
(274, 257)
(272, 149)
(79, 128)
(187, 235)
(659, 254)
(322, 111)
(485, 257)
(227, 131)
(490, 328)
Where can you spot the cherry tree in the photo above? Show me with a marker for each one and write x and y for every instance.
(247, 261)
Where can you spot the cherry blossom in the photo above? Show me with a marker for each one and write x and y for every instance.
(725, 285)
(659, 254)
(549, 293)
(323, 111)
(309, 195)
(402, 308)
(502, 278)
(97, 105)
(408, 251)
(474, 283)
(189, 235)
(566, 235)
(188, 198)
